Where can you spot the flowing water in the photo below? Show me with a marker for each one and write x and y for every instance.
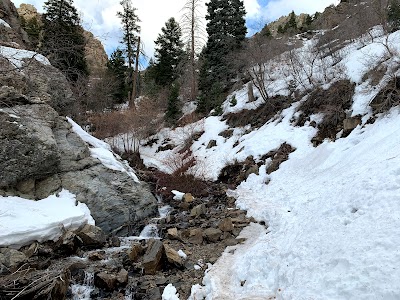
(83, 291)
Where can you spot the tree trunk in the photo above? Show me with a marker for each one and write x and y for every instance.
(135, 76)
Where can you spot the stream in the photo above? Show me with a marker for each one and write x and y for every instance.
(83, 289)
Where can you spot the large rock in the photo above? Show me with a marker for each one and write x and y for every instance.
(13, 35)
(152, 260)
(92, 236)
(105, 281)
(39, 152)
(28, 149)
(173, 256)
(212, 234)
(11, 259)
(96, 56)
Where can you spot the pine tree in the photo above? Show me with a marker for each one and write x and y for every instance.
(308, 20)
(226, 31)
(131, 30)
(63, 41)
(281, 29)
(394, 15)
(61, 11)
(173, 109)
(33, 27)
(168, 53)
(291, 25)
(116, 66)
(266, 31)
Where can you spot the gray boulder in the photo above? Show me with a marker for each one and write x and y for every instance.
(40, 154)
(28, 149)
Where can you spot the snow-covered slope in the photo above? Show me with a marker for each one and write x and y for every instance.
(332, 213)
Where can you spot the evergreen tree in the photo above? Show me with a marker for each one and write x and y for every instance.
(308, 20)
(168, 53)
(226, 31)
(266, 31)
(63, 41)
(33, 27)
(131, 30)
(291, 25)
(173, 109)
(281, 30)
(116, 66)
(394, 15)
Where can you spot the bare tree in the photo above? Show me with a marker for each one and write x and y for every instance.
(257, 57)
(193, 33)
(313, 65)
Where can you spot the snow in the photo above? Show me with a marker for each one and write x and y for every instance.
(177, 195)
(170, 293)
(331, 212)
(332, 231)
(102, 151)
(182, 254)
(17, 56)
(24, 221)
(4, 23)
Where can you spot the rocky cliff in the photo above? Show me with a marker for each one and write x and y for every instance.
(96, 56)
(40, 153)
(12, 35)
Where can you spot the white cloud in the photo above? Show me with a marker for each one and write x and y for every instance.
(99, 16)
(252, 8)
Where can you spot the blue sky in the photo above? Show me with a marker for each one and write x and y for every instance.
(99, 16)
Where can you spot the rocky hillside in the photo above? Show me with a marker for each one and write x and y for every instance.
(12, 35)
(96, 56)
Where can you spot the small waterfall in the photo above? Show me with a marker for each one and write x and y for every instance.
(149, 231)
(82, 291)
(164, 211)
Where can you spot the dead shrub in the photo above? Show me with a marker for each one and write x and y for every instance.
(233, 174)
(376, 74)
(179, 163)
(186, 175)
(258, 117)
(388, 97)
(332, 103)
(189, 119)
(226, 133)
(129, 126)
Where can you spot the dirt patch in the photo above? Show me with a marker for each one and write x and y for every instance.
(278, 156)
(237, 172)
(258, 117)
(332, 103)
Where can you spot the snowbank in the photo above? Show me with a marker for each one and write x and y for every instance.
(24, 221)
(332, 212)
(16, 56)
(102, 151)
(333, 219)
